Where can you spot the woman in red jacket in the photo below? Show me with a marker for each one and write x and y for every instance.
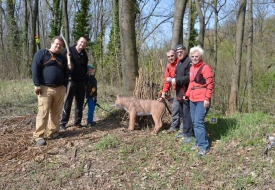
(199, 93)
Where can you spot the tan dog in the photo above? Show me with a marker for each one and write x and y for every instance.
(142, 107)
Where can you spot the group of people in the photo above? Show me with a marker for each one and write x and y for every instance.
(60, 76)
(192, 80)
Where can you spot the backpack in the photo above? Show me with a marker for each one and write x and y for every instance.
(199, 78)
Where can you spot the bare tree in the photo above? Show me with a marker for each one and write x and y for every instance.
(235, 80)
(177, 33)
(128, 45)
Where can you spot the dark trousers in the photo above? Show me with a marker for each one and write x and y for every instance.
(77, 91)
(175, 113)
(186, 119)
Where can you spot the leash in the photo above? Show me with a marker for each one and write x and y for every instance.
(167, 107)
(102, 108)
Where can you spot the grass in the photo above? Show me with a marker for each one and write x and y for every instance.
(113, 158)
(17, 98)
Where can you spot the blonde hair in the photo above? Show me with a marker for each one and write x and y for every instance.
(196, 49)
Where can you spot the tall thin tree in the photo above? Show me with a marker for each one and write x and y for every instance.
(235, 80)
(249, 76)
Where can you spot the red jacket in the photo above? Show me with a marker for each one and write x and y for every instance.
(199, 92)
(169, 72)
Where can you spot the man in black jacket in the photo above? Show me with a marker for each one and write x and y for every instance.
(181, 80)
(50, 77)
(79, 61)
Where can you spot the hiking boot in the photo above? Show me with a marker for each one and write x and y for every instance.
(41, 142)
(78, 125)
(62, 127)
(171, 130)
(187, 140)
(91, 124)
(181, 135)
(203, 152)
(195, 147)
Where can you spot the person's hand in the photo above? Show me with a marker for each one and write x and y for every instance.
(161, 99)
(206, 104)
(173, 81)
(185, 97)
(168, 79)
(95, 99)
(37, 90)
(69, 62)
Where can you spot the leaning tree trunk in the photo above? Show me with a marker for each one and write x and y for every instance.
(177, 35)
(235, 80)
(128, 45)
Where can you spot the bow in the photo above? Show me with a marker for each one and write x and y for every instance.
(67, 48)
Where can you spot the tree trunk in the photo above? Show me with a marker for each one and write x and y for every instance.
(189, 24)
(128, 45)
(33, 24)
(215, 38)
(249, 56)
(179, 10)
(202, 24)
(235, 80)
(66, 21)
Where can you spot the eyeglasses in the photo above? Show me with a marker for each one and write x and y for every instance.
(180, 52)
(196, 56)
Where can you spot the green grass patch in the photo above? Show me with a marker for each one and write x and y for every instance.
(106, 142)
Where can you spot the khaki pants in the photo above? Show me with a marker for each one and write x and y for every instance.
(50, 104)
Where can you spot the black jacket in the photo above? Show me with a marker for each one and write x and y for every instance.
(49, 72)
(182, 75)
(91, 84)
(79, 62)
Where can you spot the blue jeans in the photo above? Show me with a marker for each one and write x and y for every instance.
(198, 113)
(91, 109)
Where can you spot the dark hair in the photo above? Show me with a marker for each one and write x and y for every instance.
(59, 38)
(171, 50)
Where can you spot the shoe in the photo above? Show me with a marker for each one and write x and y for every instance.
(41, 142)
(195, 147)
(203, 152)
(91, 124)
(78, 125)
(171, 130)
(187, 140)
(181, 135)
(62, 127)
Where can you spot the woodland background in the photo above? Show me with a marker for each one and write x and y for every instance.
(129, 38)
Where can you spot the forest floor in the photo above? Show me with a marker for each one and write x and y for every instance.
(108, 156)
